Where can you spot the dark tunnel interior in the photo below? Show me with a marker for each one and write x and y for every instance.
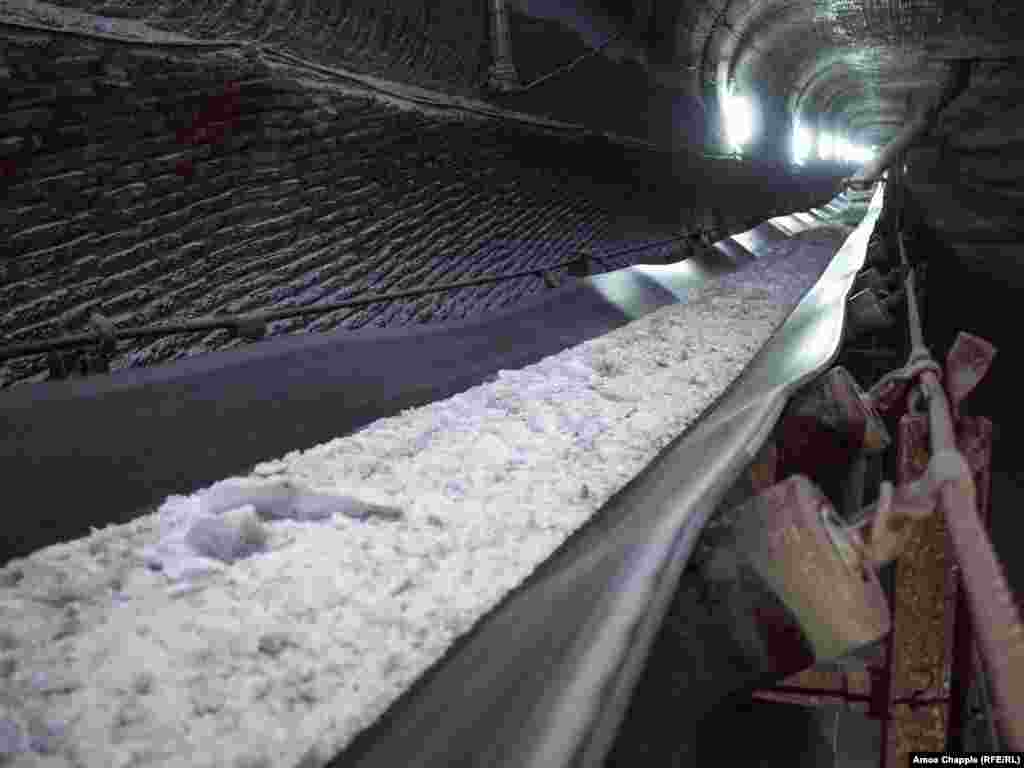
(181, 160)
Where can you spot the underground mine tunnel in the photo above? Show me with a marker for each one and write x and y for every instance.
(509, 383)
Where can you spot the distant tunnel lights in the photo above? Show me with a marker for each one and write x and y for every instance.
(853, 154)
(739, 121)
(826, 145)
(803, 144)
(829, 147)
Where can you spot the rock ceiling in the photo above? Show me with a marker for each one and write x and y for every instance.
(846, 66)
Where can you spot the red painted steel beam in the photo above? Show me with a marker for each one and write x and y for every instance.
(802, 691)
(994, 613)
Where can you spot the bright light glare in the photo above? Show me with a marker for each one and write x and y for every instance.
(803, 144)
(862, 155)
(825, 146)
(843, 150)
(739, 120)
(852, 154)
(830, 147)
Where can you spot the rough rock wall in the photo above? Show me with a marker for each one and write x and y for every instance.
(441, 43)
(966, 193)
(166, 183)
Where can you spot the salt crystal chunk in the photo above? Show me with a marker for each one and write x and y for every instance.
(591, 428)
(45, 737)
(184, 588)
(520, 456)
(12, 740)
(455, 488)
(273, 643)
(186, 567)
(320, 506)
(644, 421)
(268, 499)
(569, 422)
(421, 441)
(542, 422)
(491, 449)
(269, 468)
(576, 369)
(228, 537)
(621, 391)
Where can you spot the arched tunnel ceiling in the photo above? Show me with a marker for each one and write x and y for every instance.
(851, 66)
(824, 58)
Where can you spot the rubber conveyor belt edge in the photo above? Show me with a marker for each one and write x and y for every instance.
(573, 640)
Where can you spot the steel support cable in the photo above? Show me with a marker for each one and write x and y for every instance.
(85, 339)
(235, 322)
(18, 350)
(493, 114)
(569, 66)
(716, 24)
(295, 61)
(267, 49)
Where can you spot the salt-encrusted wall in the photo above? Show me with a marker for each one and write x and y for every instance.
(154, 183)
(965, 191)
(432, 42)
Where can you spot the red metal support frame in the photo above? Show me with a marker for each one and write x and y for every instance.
(832, 693)
(994, 614)
(976, 441)
(945, 464)
(881, 688)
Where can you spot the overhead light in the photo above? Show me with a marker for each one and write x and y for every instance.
(739, 120)
(826, 146)
(803, 143)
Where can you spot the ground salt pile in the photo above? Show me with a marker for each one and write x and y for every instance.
(133, 648)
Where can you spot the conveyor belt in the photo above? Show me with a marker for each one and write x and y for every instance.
(544, 679)
(142, 434)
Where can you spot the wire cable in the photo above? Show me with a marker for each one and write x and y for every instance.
(567, 67)
(244, 323)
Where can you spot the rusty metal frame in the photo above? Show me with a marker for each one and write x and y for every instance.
(995, 618)
(962, 651)
(956, 482)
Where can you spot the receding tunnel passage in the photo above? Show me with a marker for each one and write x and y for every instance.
(476, 382)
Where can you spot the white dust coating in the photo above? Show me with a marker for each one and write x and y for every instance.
(278, 658)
